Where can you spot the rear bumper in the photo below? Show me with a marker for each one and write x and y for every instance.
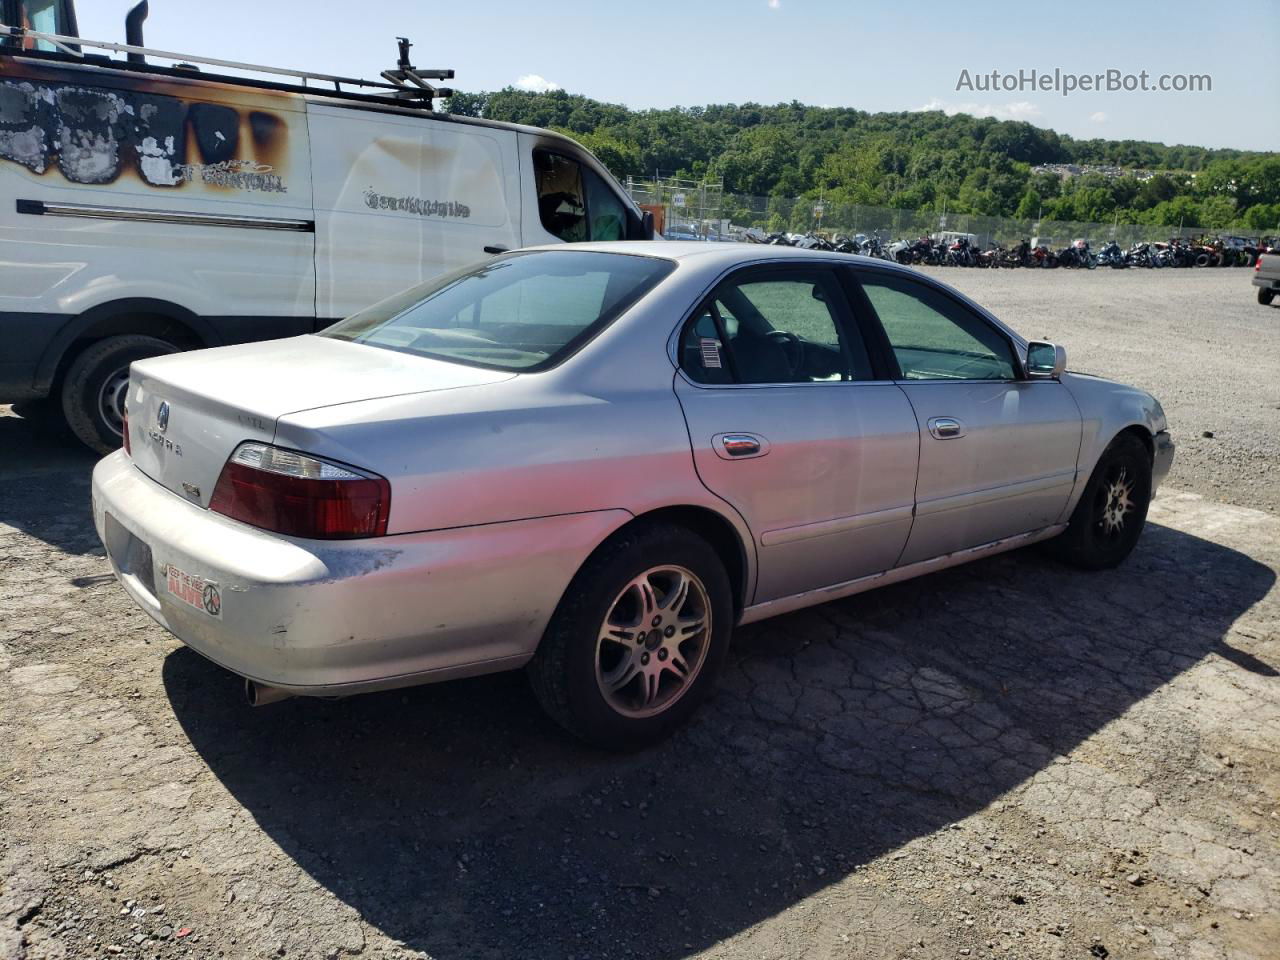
(1267, 283)
(1162, 459)
(337, 617)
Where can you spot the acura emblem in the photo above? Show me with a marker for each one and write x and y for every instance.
(162, 416)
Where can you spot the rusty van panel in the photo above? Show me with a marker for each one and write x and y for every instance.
(147, 135)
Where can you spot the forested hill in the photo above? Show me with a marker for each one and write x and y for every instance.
(913, 160)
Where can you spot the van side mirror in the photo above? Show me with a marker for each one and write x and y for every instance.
(1045, 361)
(642, 230)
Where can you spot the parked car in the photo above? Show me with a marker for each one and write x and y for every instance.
(1266, 277)
(148, 209)
(682, 231)
(595, 461)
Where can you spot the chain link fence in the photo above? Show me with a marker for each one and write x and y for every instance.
(709, 211)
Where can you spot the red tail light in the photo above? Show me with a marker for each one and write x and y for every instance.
(301, 496)
(127, 448)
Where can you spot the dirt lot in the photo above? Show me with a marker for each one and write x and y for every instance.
(1011, 759)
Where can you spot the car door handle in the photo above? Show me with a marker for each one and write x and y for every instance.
(495, 248)
(946, 428)
(739, 446)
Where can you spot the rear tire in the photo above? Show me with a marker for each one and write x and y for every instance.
(1106, 523)
(94, 389)
(1265, 296)
(592, 671)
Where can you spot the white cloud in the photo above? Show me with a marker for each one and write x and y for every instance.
(1099, 117)
(1019, 110)
(536, 84)
(774, 4)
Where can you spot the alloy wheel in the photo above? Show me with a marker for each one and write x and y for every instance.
(1115, 502)
(653, 641)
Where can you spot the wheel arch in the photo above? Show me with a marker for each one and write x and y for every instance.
(714, 527)
(132, 315)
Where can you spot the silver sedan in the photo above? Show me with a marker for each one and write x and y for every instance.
(594, 461)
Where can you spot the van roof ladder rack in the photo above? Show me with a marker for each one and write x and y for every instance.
(406, 83)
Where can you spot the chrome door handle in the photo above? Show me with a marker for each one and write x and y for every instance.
(740, 444)
(946, 428)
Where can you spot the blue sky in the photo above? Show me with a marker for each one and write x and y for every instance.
(884, 55)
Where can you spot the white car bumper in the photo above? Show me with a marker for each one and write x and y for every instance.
(333, 617)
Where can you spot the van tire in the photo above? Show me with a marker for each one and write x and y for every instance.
(1265, 296)
(93, 388)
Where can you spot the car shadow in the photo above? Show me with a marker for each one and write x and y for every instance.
(458, 820)
(44, 479)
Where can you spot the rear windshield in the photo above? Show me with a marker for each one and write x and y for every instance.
(524, 311)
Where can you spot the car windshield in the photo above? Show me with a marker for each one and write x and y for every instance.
(524, 311)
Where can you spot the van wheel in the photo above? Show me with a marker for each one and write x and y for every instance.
(638, 640)
(1112, 511)
(1265, 296)
(94, 390)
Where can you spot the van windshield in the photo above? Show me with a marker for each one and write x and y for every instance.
(523, 311)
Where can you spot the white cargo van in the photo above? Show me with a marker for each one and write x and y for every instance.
(146, 209)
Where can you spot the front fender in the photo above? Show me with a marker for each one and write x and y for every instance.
(1107, 408)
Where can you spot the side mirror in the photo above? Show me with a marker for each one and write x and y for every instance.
(643, 229)
(1045, 361)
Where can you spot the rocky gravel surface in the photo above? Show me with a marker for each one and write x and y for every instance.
(1010, 759)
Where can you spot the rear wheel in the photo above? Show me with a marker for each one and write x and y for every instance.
(93, 392)
(1265, 296)
(1112, 511)
(638, 640)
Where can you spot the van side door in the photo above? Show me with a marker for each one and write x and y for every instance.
(400, 199)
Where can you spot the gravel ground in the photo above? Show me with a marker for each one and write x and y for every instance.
(1009, 759)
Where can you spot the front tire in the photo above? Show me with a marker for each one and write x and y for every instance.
(638, 640)
(1106, 523)
(94, 389)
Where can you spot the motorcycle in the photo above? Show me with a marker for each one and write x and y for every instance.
(1112, 256)
(1077, 255)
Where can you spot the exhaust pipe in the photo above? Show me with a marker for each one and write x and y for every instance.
(133, 30)
(259, 694)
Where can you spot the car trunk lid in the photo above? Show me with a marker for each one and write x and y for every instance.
(189, 411)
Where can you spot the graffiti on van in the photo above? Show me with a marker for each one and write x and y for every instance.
(423, 208)
(93, 135)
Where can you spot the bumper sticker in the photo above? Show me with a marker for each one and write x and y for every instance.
(194, 591)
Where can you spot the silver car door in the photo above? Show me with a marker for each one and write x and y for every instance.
(789, 426)
(998, 452)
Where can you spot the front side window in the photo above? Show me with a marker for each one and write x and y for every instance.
(562, 204)
(932, 336)
(608, 216)
(522, 312)
(772, 327)
(574, 203)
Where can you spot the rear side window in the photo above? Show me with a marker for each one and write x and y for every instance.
(521, 312)
(932, 336)
(574, 203)
(773, 326)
